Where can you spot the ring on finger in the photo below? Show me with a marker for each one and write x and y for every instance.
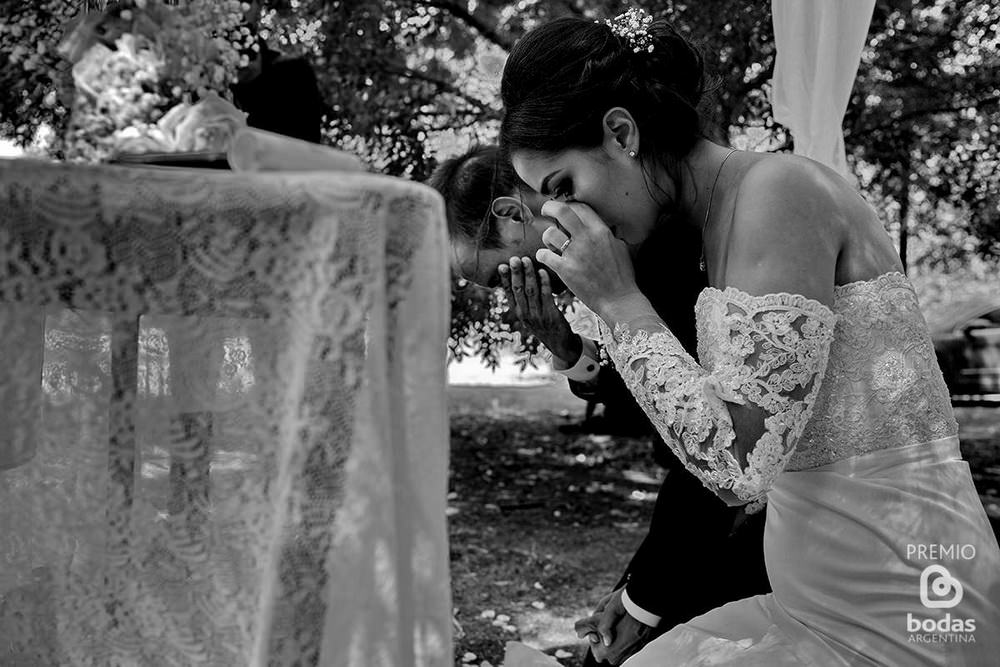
(565, 245)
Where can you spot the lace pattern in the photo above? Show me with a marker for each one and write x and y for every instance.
(217, 422)
(766, 354)
(883, 386)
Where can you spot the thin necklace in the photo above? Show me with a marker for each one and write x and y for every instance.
(704, 225)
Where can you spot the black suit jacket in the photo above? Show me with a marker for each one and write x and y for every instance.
(284, 98)
(698, 553)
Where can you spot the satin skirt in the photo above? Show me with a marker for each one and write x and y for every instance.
(884, 558)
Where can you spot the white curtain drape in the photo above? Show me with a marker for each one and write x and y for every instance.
(818, 48)
(225, 431)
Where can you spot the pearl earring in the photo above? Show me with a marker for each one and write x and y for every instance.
(631, 153)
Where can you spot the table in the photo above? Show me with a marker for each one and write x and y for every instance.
(238, 455)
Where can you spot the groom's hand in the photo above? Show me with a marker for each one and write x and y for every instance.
(613, 633)
(535, 309)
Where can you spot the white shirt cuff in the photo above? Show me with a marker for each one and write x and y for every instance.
(587, 366)
(638, 613)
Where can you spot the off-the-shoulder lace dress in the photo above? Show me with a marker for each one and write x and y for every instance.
(828, 385)
(846, 431)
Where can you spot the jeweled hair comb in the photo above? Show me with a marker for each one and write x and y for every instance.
(633, 25)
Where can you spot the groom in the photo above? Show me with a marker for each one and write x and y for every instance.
(698, 553)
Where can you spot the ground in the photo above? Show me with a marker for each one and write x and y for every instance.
(543, 522)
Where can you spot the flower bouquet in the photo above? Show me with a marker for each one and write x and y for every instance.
(152, 77)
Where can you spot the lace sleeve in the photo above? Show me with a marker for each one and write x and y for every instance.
(764, 361)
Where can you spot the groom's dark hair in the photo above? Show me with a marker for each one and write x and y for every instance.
(469, 183)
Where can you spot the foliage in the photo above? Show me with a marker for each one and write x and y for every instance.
(481, 324)
(36, 89)
(926, 99)
(408, 81)
(400, 73)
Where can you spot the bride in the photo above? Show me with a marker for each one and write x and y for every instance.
(818, 394)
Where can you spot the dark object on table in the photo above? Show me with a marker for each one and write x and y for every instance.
(201, 160)
(280, 94)
(967, 341)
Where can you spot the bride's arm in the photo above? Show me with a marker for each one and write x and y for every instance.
(735, 424)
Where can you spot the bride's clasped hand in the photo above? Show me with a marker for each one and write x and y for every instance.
(595, 266)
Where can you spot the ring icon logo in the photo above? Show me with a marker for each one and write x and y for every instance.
(938, 589)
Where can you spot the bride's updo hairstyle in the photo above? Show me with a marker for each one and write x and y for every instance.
(562, 77)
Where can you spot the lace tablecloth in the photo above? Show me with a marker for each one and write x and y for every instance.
(223, 435)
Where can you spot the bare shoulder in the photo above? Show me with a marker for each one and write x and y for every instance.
(789, 221)
(778, 185)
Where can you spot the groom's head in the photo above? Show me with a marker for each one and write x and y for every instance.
(491, 215)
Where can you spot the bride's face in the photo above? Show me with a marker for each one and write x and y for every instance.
(608, 181)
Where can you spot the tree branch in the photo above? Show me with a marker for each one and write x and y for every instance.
(488, 31)
(443, 85)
